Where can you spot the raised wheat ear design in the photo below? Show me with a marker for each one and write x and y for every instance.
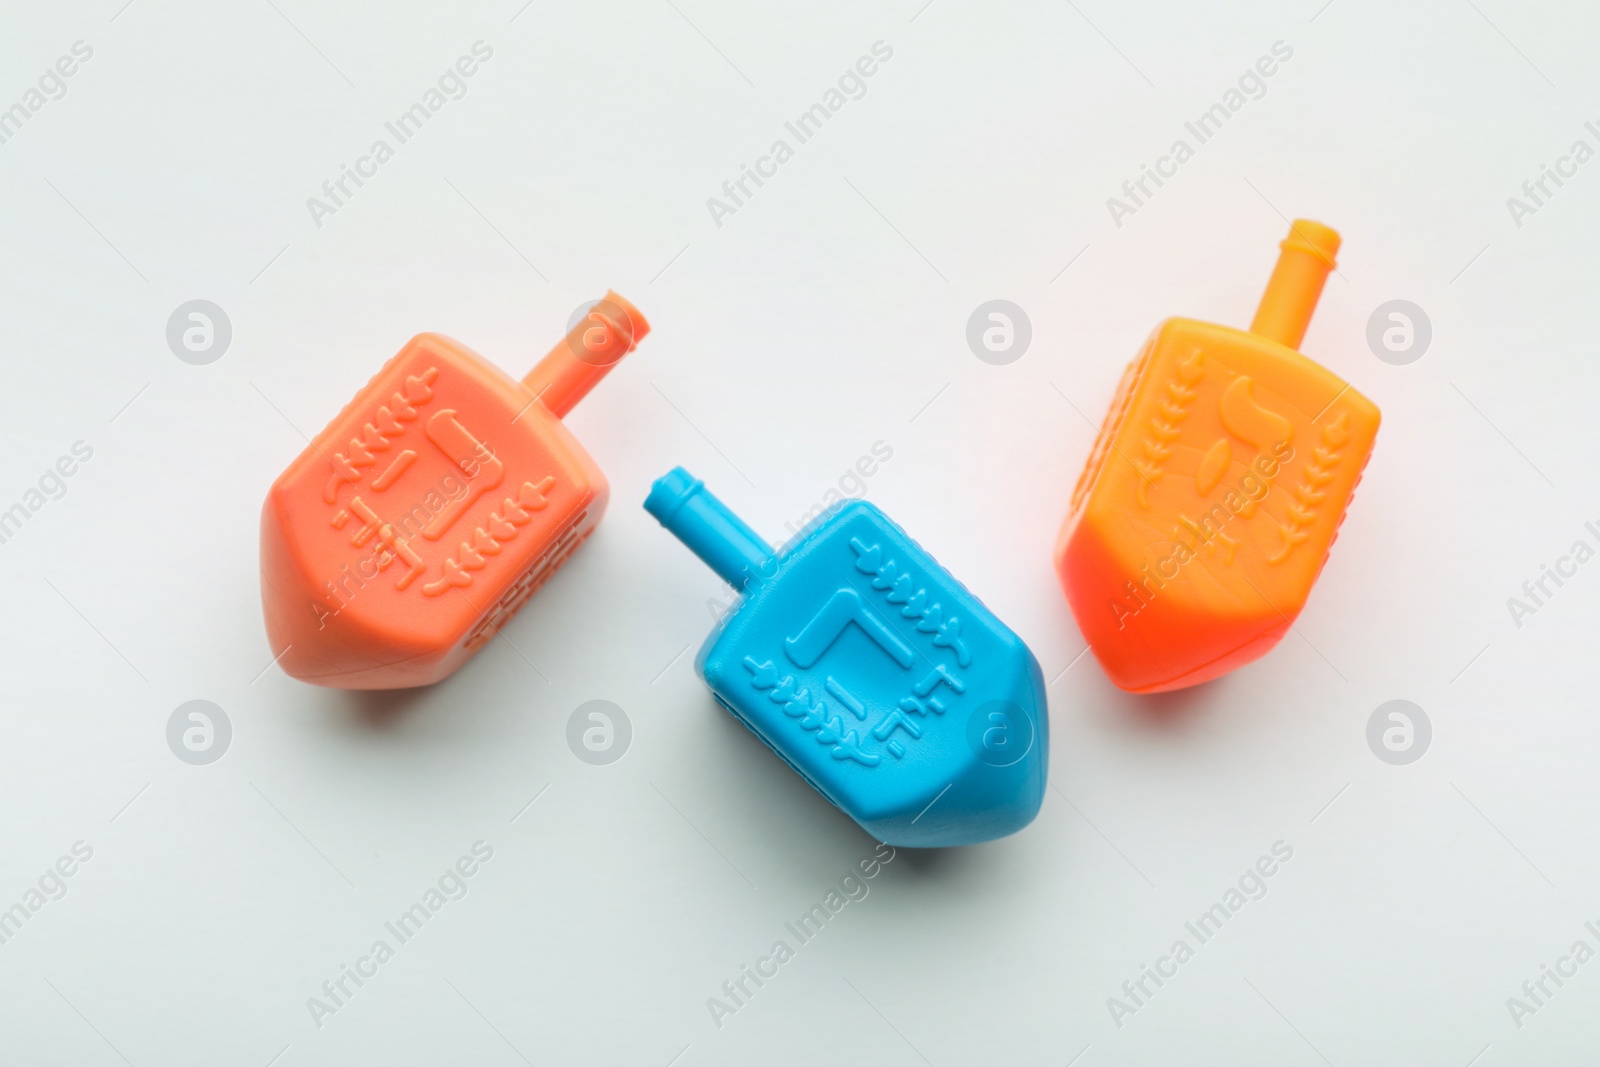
(929, 616)
(375, 435)
(813, 717)
(1309, 494)
(488, 539)
(1171, 410)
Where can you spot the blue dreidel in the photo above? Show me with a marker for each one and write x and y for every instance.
(871, 671)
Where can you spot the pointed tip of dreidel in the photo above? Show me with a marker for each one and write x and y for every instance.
(1296, 284)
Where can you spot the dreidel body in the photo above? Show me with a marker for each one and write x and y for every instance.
(871, 671)
(432, 507)
(1216, 486)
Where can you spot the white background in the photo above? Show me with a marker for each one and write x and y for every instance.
(828, 314)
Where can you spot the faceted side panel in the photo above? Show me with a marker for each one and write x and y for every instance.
(574, 532)
(1116, 415)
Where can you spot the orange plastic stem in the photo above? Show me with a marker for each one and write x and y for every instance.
(609, 330)
(1296, 282)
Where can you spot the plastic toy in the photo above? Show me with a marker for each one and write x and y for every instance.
(1216, 487)
(432, 507)
(871, 671)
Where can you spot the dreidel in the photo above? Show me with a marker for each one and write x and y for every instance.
(871, 671)
(1215, 488)
(432, 507)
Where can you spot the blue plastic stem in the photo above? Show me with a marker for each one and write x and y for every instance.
(683, 505)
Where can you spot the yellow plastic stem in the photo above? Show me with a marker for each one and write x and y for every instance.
(1303, 264)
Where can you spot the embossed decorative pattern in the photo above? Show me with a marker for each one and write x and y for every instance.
(887, 576)
(1309, 494)
(1164, 429)
(376, 436)
(458, 569)
(811, 716)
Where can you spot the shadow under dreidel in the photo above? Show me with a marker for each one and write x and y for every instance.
(1169, 710)
(934, 864)
(1172, 709)
(381, 709)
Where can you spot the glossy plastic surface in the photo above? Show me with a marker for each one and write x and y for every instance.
(1215, 489)
(432, 507)
(872, 672)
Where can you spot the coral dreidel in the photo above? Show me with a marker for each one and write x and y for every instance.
(432, 507)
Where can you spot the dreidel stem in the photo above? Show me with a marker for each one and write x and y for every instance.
(683, 504)
(1296, 282)
(609, 330)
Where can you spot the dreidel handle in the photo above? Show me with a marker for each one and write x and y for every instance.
(609, 330)
(683, 504)
(1296, 284)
